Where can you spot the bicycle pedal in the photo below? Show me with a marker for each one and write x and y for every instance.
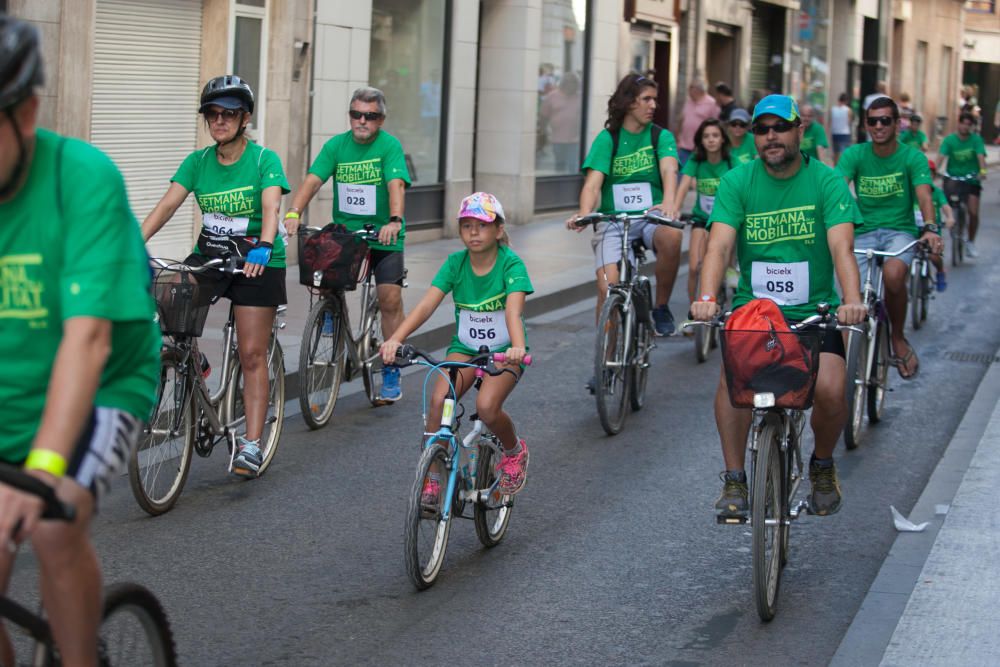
(731, 520)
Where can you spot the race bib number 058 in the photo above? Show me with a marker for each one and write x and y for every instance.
(632, 196)
(356, 199)
(477, 329)
(787, 284)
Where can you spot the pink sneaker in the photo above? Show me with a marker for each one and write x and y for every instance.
(431, 493)
(513, 471)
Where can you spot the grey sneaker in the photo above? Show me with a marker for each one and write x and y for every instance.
(825, 496)
(733, 501)
(970, 249)
(248, 458)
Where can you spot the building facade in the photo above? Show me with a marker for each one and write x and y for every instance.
(981, 60)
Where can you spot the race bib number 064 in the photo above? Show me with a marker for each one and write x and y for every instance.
(477, 329)
(787, 284)
(223, 225)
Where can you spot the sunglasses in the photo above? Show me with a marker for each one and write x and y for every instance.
(737, 123)
(367, 115)
(780, 127)
(211, 115)
(884, 121)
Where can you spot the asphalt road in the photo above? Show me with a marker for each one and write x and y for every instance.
(613, 555)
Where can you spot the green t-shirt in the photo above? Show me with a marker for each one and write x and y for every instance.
(913, 138)
(708, 176)
(229, 195)
(633, 182)
(781, 227)
(962, 160)
(886, 187)
(361, 173)
(938, 198)
(813, 137)
(71, 251)
(480, 300)
(745, 152)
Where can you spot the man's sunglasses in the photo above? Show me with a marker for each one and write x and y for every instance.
(780, 127)
(211, 115)
(367, 115)
(884, 121)
(737, 123)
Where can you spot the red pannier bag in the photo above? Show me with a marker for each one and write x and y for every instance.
(762, 354)
(331, 258)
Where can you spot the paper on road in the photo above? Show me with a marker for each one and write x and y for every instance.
(904, 525)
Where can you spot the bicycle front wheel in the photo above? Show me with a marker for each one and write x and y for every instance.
(371, 360)
(767, 514)
(321, 362)
(878, 383)
(611, 368)
(958, 236)
(426, 528)
(642, 342)
(275, 416)
(702, 336)
(492, 515)
(159, 465)
(134, 629)
(916, 289)
(856, 387)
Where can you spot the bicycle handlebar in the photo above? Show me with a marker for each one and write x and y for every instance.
(367, 234)
(20, 480)
(967, 177)
(484, 360)
(231, 265)
(881, 253)
(823, 319)
(648, 216)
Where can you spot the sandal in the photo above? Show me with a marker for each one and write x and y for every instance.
(901, 363)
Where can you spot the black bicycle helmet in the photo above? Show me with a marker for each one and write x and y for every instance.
(229, 92)
(20, 61)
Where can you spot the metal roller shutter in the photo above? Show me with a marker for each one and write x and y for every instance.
(144, 109)
(760, 50)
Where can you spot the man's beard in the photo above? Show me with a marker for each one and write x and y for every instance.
(784, 160)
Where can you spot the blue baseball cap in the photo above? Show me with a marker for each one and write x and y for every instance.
(781, 106)
(740, 115)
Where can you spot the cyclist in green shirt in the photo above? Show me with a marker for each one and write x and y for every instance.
(944, 216)
(238, 185)
(631, 175)
(964, 154)
(79, 344)
(370, 178)
(741, 147)
(814, 143)
(888, 178)
(790, 215)
(913, 136)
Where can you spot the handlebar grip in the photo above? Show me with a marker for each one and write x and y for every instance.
(500, 357)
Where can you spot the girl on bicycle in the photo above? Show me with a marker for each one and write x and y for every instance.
(489, 284)
(945, 216)
(238, 185)
(704, 170)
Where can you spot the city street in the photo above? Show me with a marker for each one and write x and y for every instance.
(613, 555)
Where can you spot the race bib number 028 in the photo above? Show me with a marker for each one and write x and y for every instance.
(356, 199)
(785, 284)
(223, 225)
(632, 196)
(477, 329)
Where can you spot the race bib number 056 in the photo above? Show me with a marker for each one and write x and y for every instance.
(632, 196)
(785, 284)
(356, 199)
(477, 329)
(218, 224)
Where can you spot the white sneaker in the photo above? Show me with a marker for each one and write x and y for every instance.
(970, 249)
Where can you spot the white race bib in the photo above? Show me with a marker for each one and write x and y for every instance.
(706, 202)
(632, 196)
(785, 284)
(477, 329)
(218, 224)
(356, 199)
(918, 215)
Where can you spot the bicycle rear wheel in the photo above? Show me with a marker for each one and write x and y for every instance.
(878, 383)
(611, 369)
(275, 417)
(321, 362)
(426, 528)
(491, 516)
(856, 387)
(958, 236)
(767, 507)
(159, 465)
(134, 629)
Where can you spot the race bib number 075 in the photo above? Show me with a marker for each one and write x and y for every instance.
(787, 284)
(632, 196)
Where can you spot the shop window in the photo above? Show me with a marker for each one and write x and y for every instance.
(407, 64)
(248, 56)
(560, 87)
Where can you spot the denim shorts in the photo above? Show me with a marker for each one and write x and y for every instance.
(883, 240)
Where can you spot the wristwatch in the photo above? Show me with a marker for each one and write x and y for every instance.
(930, 227)
(395, 218)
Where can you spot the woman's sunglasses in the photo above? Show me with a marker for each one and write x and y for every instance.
(367, 115)
(211, 115)
(884, 121)
(737, 123)
(780, 127)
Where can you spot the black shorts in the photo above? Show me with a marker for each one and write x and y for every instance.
(831, 340)
(699, 224)
(387, 265)
(263, 291)
(960, 188)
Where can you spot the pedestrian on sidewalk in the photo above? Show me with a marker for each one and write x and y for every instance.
(841, 119)
(370, 178)
(699, 107)
(724, 97)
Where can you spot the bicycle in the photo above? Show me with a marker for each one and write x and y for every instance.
(959, 204)
(921, 287)
(706, 339)
(188, 416)
(868, 352)
(331, 351)
(624, 328)
(471, 465)
(775, 447)
(134, 628)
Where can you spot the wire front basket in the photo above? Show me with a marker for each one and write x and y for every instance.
(182, 302)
